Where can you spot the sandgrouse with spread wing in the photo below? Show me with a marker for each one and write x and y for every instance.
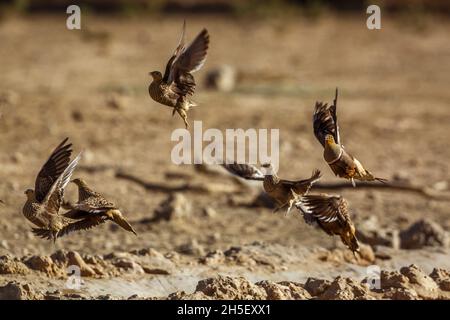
(284, 192)
(326, 130)
(177, 84)
(330, 212)
(43, 203)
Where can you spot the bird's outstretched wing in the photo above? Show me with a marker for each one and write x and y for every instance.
(55, 195)
(191, 58)
(83, 224)
(184, 62)
(331, 214)
(325, 121)
(176, 53)
(245, 171)
(52, 169)
(325, 208)
(301, 186)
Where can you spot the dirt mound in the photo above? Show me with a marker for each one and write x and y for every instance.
(143, 261)
(409, 283)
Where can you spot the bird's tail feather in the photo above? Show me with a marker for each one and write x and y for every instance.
(117, 217)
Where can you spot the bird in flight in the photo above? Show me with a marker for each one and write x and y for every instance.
(91, 210)
(326, 130)
(177, 84)
(330, 212)
(284, 192)
(43, 203)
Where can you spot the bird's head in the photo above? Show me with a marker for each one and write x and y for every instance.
(156, 75)
(329, 139)
(30, 194)
(79, 182)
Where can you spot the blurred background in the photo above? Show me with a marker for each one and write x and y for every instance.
(268, 63)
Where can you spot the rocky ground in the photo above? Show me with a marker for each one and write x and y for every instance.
(203, 234)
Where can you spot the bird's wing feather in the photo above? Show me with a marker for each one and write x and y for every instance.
(245, 171)
(180, 47)
(83, 224)
(52, 169)
(325, 208)
(55, 195)
(333, 108)
(325, 121)
(191, 58)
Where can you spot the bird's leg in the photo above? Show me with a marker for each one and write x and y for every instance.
(353, 182)
(293, 200)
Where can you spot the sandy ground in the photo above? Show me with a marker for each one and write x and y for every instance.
(91, 85)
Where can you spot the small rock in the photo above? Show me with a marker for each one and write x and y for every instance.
(424, 285)
(366, 254)
(346, 289)
(442, 278)
(316, 287)
(150, 270)
(17, 291)
(74, 258)
(192, 248)
(44, 264)
(209, 212)
(230, 288)
(222, 78)
(284, 291)
(176, 206)
(116, 101)
(9, 98)
(128, 265)
(371, 233)
(424, 233)
(77, 116)
(9, 265)
(393, 279)
(400, 294)
(213, 258)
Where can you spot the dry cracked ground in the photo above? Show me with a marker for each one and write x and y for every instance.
(201, 233)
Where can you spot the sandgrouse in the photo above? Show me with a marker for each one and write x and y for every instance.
(91, 210)
(330, 212)
(92, 206)
(43, 203)
(283, 192)
(173, 88)
(326, 130)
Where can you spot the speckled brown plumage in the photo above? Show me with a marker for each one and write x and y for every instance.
(326, 130)
(173, 88)
(43, 203)
(93, 209)
(283, 192)
(331, 214)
